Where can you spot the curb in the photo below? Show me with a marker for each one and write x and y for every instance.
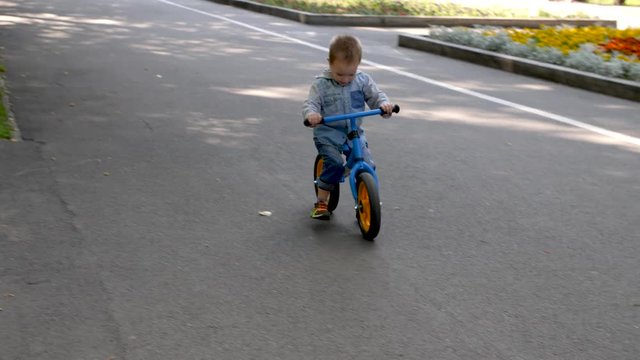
(620, 88)
(404, 21)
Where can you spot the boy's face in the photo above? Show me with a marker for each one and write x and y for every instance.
(342, 71)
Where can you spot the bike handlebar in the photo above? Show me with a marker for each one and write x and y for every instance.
(329, 119)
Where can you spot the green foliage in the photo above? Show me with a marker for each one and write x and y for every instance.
(5, 128)
(393, 7)
(612, 2)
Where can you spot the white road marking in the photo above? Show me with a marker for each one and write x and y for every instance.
(545, 114)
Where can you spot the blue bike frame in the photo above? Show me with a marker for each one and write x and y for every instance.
(355, 161)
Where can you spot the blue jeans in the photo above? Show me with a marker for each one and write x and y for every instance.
(333, 162)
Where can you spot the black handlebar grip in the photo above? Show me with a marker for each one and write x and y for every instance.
(396, 109)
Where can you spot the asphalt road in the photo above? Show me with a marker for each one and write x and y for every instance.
(155, 132)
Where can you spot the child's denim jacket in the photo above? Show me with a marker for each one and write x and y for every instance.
(327, 97)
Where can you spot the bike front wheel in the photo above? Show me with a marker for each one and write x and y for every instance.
(368, 210)
(334, 196)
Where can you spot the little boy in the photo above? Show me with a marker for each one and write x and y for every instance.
(341, 89)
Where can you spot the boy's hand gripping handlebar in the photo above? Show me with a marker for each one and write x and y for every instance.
(328, 119)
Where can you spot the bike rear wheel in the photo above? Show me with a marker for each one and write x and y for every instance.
(368, 210)
(334, 196)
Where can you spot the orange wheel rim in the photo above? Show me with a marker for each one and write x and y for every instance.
(364, 207)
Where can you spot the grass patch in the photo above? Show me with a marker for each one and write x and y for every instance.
(406, 7)
(5, 127)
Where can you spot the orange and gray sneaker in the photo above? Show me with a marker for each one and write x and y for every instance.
(320, 211)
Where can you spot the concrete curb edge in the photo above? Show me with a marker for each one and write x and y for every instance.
(621, 88)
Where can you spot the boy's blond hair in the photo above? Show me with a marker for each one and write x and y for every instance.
(346, 48)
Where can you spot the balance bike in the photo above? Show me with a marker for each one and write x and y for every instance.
(362, 177)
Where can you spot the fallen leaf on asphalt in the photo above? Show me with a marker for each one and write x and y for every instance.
(265, 213)
(72, 104)
(106, 173)
(159, 76)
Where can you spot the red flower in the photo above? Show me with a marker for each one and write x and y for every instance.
(627, 46)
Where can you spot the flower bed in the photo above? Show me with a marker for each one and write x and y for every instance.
(600, 50)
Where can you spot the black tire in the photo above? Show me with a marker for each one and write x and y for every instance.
(334, 197)
(368, 212)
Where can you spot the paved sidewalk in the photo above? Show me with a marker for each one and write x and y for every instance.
(129, 225)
